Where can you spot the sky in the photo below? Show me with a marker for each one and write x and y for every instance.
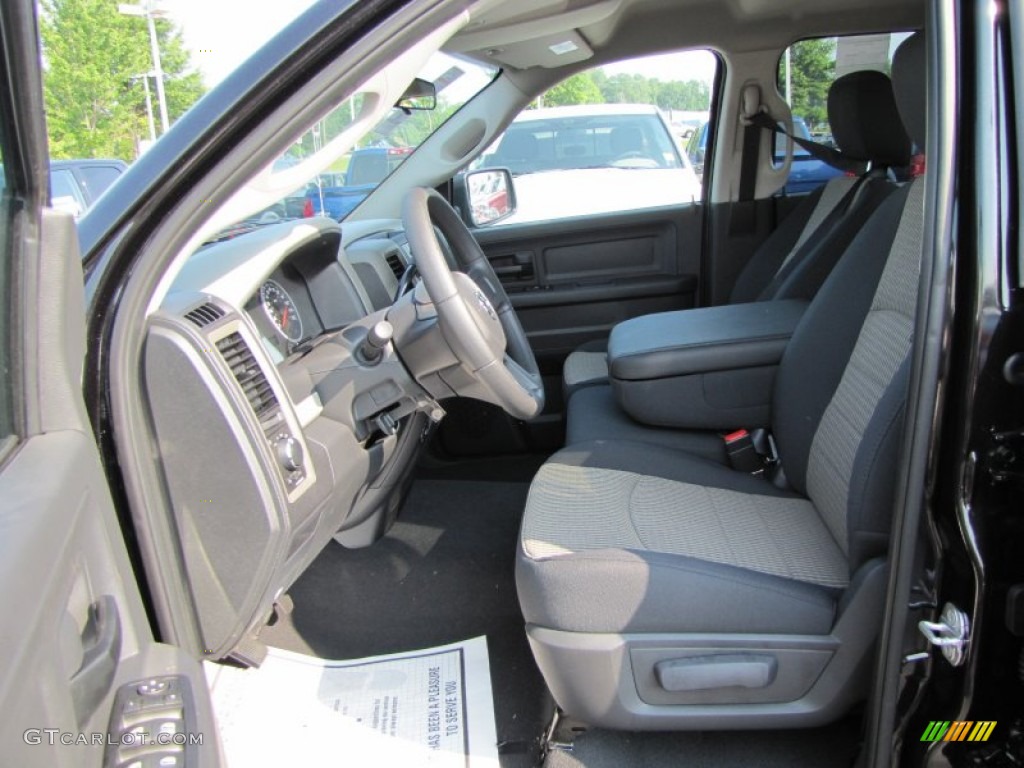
(221, 34)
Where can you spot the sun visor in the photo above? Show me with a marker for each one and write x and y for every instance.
(548, 51)
(548, 41)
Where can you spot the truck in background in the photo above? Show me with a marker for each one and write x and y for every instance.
(367, 167)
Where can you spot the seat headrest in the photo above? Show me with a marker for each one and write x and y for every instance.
(865, 120)
(910, 85)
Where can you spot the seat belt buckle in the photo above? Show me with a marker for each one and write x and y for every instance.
(742, 453)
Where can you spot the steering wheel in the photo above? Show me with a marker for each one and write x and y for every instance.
(474, 312)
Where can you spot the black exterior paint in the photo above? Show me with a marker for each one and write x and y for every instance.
(978, 499)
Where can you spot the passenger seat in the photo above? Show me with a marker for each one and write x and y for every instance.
(797, 257)
(662, 591)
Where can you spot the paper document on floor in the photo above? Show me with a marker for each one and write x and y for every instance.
(422, 708)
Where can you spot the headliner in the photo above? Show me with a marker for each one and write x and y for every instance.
(517, 35)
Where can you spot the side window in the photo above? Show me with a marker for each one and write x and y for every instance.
(609, 139)
(7, 427)
(806, 72)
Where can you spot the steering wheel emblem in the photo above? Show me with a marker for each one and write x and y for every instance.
(485, 305)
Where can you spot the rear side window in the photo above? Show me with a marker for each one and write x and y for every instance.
(610, 139)
(806, 72)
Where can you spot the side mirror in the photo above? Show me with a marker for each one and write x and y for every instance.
(420, 95)
(491, 195)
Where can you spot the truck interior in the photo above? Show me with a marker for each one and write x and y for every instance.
(654, 454)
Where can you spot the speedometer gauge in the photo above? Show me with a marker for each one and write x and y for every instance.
(280, 308)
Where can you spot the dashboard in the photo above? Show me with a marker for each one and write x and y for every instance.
(299, 300)
(277, 428)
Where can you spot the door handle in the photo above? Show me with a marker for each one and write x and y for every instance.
(515, 271)
(513, 266)
(101, 645)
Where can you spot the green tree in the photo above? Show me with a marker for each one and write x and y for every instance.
(628, 89)
(813, 64)
(636, 89)
(95, 101)
(578, 89)
(680, 94)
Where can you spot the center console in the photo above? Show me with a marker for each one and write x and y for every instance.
(711, 368)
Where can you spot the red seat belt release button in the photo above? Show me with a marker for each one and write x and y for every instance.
(743, 457)
(732, 437)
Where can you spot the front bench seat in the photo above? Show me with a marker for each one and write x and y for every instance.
(664, 591)
(795, 259)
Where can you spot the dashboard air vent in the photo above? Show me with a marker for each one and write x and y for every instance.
(396, 264)
(204, 314)
(249, 375)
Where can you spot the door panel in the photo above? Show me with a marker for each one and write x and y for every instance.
(73, 630)
(83, 681)
(572, 280)
(559, 319)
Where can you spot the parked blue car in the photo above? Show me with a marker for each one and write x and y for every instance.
(806, 173)
(367, 167)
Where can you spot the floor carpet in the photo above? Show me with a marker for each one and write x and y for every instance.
(444, 572)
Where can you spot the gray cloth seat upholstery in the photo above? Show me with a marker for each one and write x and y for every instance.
(623, 541)
(796, 258)
(635, 538)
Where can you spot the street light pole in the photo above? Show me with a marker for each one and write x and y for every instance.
(149, 108)
(150, 12)
(158, 71)
(149, 103)
(789, 79)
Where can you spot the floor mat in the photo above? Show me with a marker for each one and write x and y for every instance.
(833, 746)
(444, 572)
(431, 708)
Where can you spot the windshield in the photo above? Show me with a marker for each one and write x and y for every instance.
(369, 157)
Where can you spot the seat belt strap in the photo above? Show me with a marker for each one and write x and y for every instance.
(828, 155)
(751, 142)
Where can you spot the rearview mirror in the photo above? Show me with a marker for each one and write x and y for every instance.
(420, 95)
(491, 195)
